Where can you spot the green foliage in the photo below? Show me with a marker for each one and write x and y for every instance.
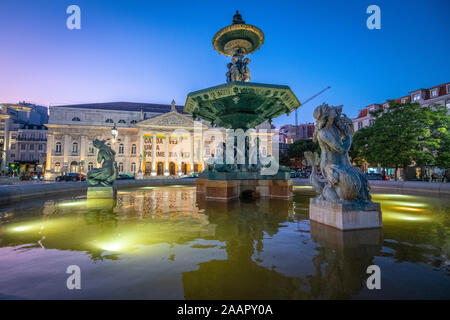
(403, 134)
(298, 148)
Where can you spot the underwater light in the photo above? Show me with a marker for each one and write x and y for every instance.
(112, 246)
(22, 228)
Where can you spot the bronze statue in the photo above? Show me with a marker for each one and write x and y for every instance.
(105, 175)
(238, 68)
(343, 182)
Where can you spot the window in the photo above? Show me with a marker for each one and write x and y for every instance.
(22, 147)
(133, 167)
(122, 121)
(75, 147)
(75, 119)
(74, 166)
(91, 150)
(448, 88)
(133, 149)
(360, 125)
(416, 97)
(120, 167)
(121, 148)
(133, 122)
(13, 146)
(57, 167)
(434, 93)
(109, 121)
(40, 146)
(90, 166)
(207, 151)
(58, 147)
(31, 146)
(371, 121)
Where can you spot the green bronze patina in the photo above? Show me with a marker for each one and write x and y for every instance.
(241, 105)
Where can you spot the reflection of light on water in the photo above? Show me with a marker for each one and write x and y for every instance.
(70, 204)
(388, 196)
(387, 214)
(303, 187)
(408, 209)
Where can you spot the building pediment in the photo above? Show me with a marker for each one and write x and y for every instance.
(171, 120)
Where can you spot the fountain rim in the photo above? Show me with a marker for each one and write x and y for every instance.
(235, 27)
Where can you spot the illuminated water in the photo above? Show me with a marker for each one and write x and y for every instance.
(163, 243)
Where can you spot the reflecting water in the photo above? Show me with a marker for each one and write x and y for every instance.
(164, 243)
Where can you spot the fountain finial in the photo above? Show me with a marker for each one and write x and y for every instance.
(237, 18)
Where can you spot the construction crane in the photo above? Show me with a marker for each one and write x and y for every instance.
(308, 100)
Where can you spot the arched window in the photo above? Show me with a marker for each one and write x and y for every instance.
(120, 167)
(75, 119)
(121, 148)
(73, 166)
(109, 121)
(57, 167)
(90, 166)
(133, 149)
(122, 121)
(133, 122)
(58, 147)
(91, 149)
(75, 147)
(133, 167)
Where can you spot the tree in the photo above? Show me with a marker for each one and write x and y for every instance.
(403, 134)
(299, 147)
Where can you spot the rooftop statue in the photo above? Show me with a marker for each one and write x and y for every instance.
(342, 181)
(104, 176)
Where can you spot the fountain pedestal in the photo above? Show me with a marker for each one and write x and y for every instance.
(346, 216)
(102, 192)
(242, 184)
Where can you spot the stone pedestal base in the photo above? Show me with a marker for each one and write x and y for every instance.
(227, 190)
(345, 216)
(102, 193)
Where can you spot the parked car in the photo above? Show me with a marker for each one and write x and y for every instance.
(294, 174)
(125, 176)
(374, 176)
(71, 177)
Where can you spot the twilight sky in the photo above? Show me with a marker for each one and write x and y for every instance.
(154, 51)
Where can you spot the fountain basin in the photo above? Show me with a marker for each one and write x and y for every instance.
(241, 105)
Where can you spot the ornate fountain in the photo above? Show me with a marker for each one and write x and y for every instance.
(240, 104)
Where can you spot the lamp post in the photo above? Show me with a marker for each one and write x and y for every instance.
(114, 132)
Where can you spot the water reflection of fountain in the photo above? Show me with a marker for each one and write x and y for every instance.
(342, 260)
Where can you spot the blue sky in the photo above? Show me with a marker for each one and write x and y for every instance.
(154, 51)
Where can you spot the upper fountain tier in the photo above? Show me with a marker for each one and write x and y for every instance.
(240, 104)
(238, 37)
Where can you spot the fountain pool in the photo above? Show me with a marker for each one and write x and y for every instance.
(167, 243)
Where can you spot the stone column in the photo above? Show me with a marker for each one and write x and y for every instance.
(67, 149)
(83, 153)
(50, 146)
(153, 154)
(179, 152)
(191, 165)
(166, 154)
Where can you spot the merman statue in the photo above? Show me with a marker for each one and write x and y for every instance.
(105, 175)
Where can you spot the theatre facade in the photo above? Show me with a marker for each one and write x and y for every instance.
(149, 139)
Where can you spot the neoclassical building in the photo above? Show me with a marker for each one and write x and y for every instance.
(149, 139)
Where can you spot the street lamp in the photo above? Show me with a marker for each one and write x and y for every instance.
(114, 132)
